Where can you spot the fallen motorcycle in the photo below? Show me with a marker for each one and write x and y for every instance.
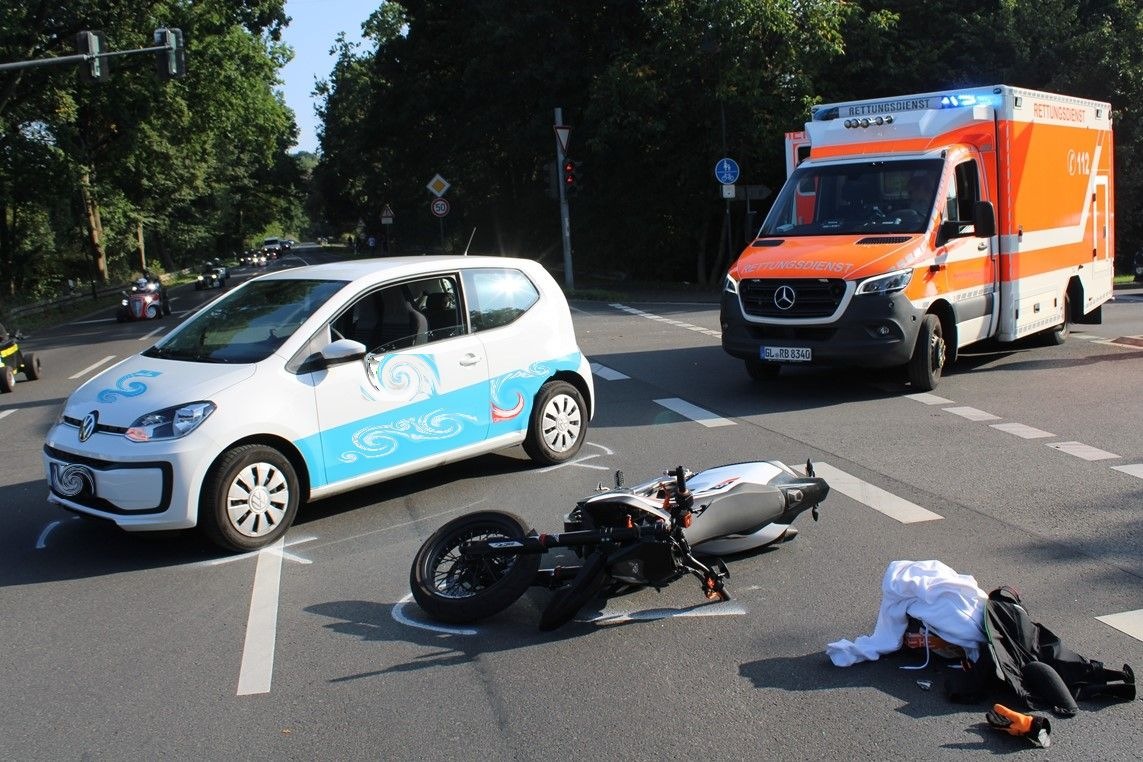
(649, 535)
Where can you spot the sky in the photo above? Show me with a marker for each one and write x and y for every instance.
(313, 27)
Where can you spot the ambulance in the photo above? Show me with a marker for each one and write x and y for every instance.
(912, 227)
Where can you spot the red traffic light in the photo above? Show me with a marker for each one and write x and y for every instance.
(569, 172)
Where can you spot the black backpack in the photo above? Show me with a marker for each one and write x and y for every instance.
(1033, 661)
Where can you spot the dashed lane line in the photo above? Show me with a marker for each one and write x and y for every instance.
(608, 374)
(91, 367)
(1080, 450)
(972, 414)
(694, 412)
(1129, 622)
(668, 321)
(1022, 431)
(1133, 469)
(6, 413)
(876, 498)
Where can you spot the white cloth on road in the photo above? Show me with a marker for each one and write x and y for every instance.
(950, 604)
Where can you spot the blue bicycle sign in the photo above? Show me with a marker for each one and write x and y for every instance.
(726, 171)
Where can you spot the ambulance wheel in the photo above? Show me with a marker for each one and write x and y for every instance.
(7, 379)
(760, 370)
(1058, 335)
(32, 367)
(928, 355)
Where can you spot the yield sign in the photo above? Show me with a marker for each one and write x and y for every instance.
(562, 136)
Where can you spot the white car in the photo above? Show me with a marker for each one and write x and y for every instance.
(313, 381)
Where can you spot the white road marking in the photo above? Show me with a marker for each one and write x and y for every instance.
(876, 498)
(928, 399)
(1080, 450)
(668, 321)
(146, 336)
(6, 413)
(42, 540)
(1130, 622)
(972, 414)
(1133, 469)
(398, 613)
(607, 374)
(1022, 431)
(606, 618)
(92, 367)
(275, 547)
(695, 413)
(262, 625)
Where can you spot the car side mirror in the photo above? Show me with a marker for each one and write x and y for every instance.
(341, 351)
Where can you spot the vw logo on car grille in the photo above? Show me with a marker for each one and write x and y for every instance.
(71, 480)
(87, 425)
(784, 297)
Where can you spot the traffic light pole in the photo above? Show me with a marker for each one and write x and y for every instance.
(82, 58)
(565, 217)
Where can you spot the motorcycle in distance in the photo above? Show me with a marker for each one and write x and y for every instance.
(146, 300)
(13, 360)
(649, 535)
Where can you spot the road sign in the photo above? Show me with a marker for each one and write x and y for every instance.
(438, 185)
(387, 215)
(439, 207)
(562, 132)
(726, 171)
(728, 190)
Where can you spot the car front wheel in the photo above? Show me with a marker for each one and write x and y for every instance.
(249, 499)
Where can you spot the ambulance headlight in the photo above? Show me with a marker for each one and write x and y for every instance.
(729, 285)
(889, 283)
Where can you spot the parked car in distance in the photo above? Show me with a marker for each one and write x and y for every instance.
(309, 382)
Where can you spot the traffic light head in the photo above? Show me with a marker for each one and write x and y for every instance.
(171, 61)
(92, 44)
(569, 175)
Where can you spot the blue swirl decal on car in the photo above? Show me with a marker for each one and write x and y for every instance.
(400, 378)
(125, 389)
(519, 384)
(379, 441)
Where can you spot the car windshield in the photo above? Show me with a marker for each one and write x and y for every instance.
(856, 198)
(248, 324)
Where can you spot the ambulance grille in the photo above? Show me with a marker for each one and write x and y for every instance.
(813, 297)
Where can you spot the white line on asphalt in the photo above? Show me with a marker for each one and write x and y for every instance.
(146, 336)
(695, 413)
(605, 618)
(92, 367)
(972, 414)
(6, 413)
(398, 613)
(262, 624)
(1130, 622)
(1133, 469)
(243, 556)
(42, 540)
(668, 321)
(876, 498)
(1080, 450)
(606, 373)
(1022, 431)
(928, 399)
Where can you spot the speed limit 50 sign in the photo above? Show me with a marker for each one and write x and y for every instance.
(439, 207)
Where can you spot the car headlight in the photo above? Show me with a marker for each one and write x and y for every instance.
(170, 423)
(200, 277)
(730, 285)
(123, 303)
(890, 283)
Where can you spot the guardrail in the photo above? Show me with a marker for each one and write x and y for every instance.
(56, 305)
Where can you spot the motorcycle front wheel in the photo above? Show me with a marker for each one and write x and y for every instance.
(455, 589)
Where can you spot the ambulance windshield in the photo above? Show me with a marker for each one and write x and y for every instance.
(856, 198)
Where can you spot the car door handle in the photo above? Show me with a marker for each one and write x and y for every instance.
(470, 359)
(981, 245)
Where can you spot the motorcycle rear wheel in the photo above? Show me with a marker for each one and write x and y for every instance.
(586, 584)
(451, 588)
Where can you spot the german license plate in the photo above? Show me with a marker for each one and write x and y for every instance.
(787, 354)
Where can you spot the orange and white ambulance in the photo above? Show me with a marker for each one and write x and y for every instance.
(921, 224)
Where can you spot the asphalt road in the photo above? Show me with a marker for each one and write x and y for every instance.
(1023, 468)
